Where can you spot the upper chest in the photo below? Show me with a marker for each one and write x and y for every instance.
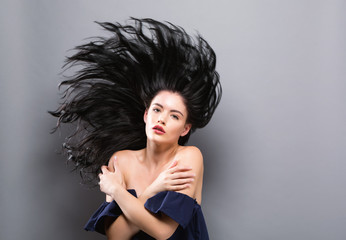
(139, 178)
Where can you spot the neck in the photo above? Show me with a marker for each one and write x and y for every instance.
(159, 155)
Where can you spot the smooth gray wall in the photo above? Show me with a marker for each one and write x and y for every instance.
(274, 151)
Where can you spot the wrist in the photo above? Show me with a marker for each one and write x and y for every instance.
(116, 191)
(148, 193)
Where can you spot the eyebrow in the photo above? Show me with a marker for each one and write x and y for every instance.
(173, 110)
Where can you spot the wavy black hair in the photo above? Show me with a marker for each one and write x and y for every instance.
(116, 80)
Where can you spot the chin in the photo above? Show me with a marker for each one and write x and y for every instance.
(160, 140)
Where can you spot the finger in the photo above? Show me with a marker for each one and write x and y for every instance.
(180, 182)
(173, 164)
(182, 175)
(179, 187)
(104, 169)
(180, 169)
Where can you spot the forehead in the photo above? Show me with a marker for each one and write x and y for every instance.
(170, 100)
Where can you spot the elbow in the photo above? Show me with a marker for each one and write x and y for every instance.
(163, 237)
(163, 234)
(165, 231)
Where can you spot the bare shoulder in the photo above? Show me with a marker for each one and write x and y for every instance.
(190, 155)
(123, 157)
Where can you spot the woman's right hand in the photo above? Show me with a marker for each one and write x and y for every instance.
(174, 178)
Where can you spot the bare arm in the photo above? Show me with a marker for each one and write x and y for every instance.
(123, 228)
(158, 226)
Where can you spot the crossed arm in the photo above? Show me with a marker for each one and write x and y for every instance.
(135, 217)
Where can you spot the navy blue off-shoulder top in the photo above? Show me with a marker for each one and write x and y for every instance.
(180, 207)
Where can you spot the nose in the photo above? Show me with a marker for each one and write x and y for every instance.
(161, 120)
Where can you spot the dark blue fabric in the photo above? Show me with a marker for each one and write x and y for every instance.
(107, 209)
(180, 207)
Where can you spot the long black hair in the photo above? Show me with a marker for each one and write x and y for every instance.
(116, 80)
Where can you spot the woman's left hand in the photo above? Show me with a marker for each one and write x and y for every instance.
(109, 181)
(175, 178)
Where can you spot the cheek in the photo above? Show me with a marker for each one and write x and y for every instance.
(150, 118)
(179, 128)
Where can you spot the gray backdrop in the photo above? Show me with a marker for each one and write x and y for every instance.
(274, 151)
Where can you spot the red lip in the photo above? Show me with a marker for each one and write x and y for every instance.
(158, 129)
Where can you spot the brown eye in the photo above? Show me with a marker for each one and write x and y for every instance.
(175, 117)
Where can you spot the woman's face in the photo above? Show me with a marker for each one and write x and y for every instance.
(166, 118)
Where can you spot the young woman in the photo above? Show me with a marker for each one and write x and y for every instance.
(136, 98)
